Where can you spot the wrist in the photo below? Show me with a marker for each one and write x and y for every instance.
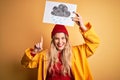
(83, 27)
(33, 53)
(36, 50)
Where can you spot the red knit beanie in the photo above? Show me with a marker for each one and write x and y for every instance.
(59, 28)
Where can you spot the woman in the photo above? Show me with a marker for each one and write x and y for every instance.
(63, 61)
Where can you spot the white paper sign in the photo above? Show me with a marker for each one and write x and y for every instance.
(59, 13)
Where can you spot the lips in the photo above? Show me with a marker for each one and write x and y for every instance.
(60, 46)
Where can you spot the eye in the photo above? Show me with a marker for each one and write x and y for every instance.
(63, 38)
(56, 38)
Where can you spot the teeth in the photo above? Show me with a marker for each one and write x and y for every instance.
(59, 45)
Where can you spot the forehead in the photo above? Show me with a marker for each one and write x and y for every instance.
(60, 34)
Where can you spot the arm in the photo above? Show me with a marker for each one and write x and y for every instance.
(90, 37)
(28, 60)
(91, 40)
(31, 56)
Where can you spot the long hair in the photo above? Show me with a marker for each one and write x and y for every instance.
(65, 57)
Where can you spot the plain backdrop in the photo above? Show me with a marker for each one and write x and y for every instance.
(21, 27)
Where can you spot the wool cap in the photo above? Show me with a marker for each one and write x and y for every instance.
(59, 28)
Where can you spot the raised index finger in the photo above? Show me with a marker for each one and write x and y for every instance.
(41, 40)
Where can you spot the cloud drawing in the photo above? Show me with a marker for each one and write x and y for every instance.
(61, 10)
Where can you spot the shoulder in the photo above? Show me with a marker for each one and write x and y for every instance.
(78, 49)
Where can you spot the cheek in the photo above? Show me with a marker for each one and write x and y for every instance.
(65, 41)
(55, 42)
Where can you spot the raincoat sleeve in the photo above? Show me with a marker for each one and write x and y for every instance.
(80, 67)
(91, 41)
(30, 61)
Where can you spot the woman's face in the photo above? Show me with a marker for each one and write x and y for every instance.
(60, 41)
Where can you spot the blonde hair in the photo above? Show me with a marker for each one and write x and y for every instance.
(65, 57)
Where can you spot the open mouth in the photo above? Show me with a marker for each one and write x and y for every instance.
(60, 45)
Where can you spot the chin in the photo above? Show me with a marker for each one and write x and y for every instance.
(60, 49)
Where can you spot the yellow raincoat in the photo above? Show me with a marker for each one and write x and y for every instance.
(79, 68)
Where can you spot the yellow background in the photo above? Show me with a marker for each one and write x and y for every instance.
(21, 27)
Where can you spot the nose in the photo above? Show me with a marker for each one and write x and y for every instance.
(60, 41)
